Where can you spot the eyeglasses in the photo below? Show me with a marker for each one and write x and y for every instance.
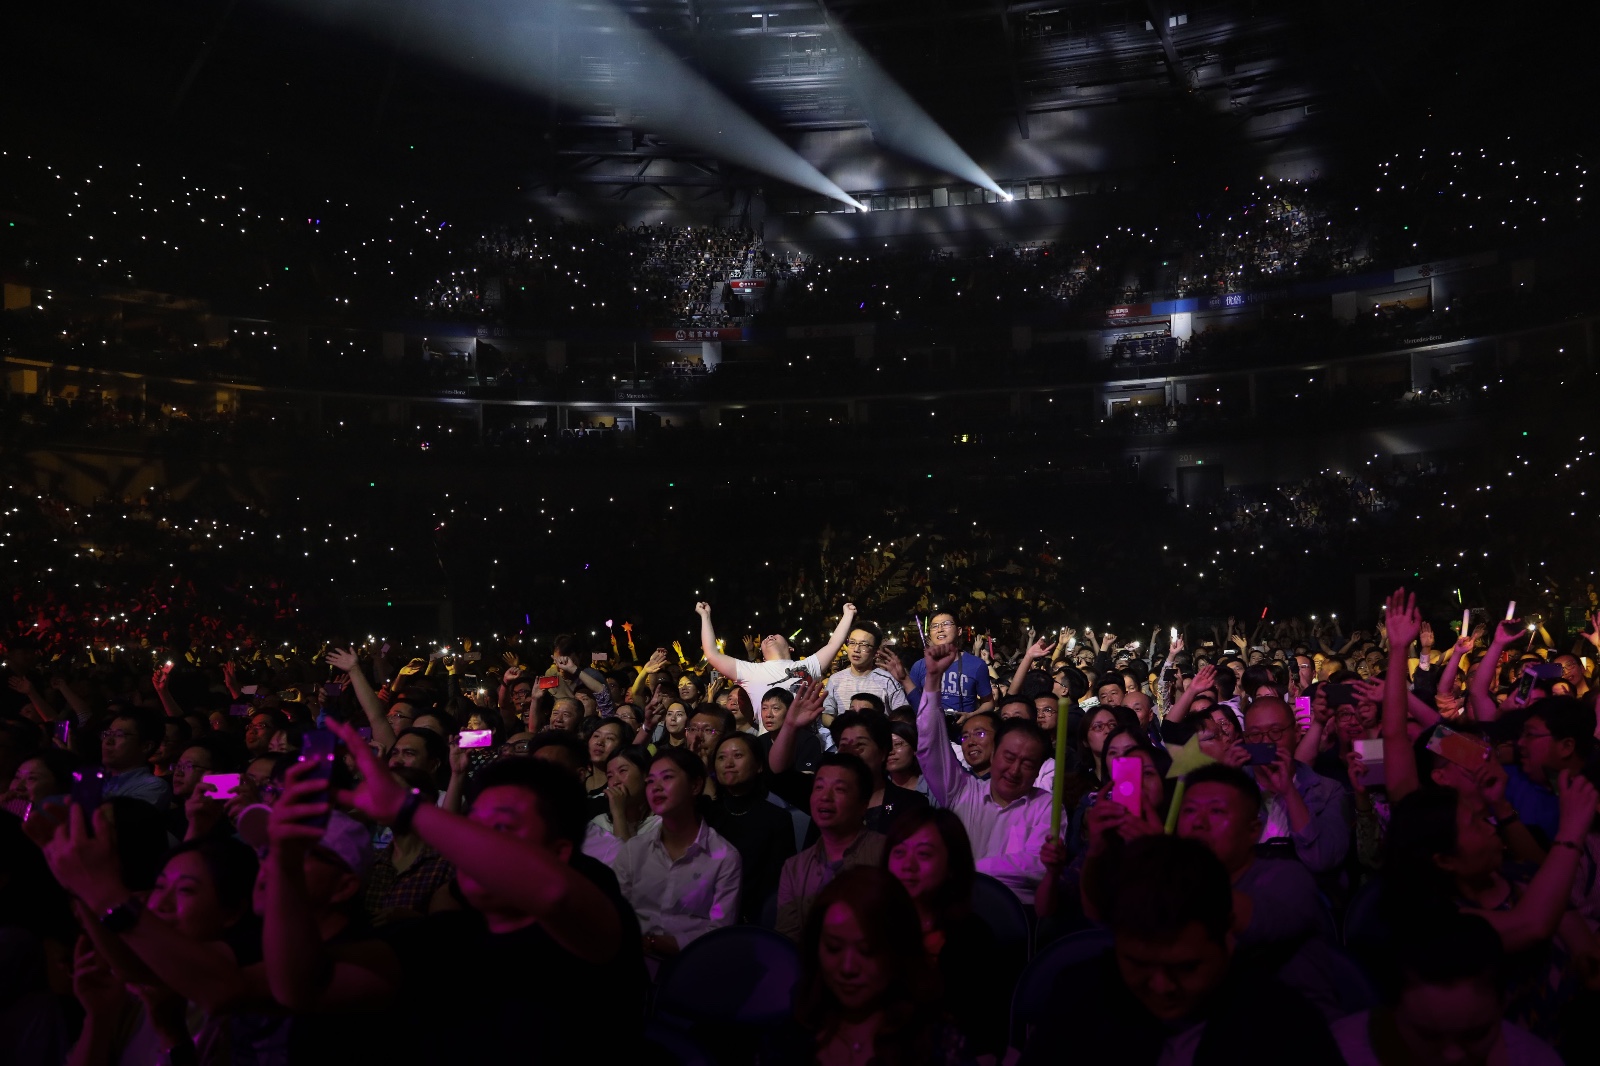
(116, 734)
(860, 644)
(942, 625)
(1348, 716)
(516, 747)
(1272, 733)
(1103, 727)
(703, 730)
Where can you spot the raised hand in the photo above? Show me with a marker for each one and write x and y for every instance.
(703, 609)
(460, 758)
(657, 661)
(1490, 777)
(1176, 647)
(1402, 618)
(890, 662)
(94, 984)
(1578, 800)
(1592, 634)
(807, 705)
(342, 659)
(204, 814)
(380, 794)
(20, 684)
(1425, 637)
(1040, 649)
(87, 864)
(1505, 632)
(940, 657)
(1204, 678)
(1357, 769)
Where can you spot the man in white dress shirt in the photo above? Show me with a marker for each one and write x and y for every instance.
(1007, 817)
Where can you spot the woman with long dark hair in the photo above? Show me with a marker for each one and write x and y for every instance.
(929, 852)
(868, 993)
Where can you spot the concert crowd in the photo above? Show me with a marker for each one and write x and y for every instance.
(1230, 841)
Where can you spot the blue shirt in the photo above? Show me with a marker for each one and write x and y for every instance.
(140, 784)
(1536, 805)
(963, 687)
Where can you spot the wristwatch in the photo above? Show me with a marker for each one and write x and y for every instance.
(123, 917)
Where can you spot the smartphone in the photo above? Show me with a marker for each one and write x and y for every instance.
(89, 788)
(320, 748)
(365, 733)
(476, 738)
(61, 732)
(1262, 754)
(1338, 695)
(1127, 782)
(332, 690)
(599, 656)
(224, 786)
(1371, 752)
(471, 656)
(1460, 748)
(1302, 711)
(549, 682)
(239, 710)
(249, 690)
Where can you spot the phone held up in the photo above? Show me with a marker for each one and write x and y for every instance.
(319, 748)
(1127, 782)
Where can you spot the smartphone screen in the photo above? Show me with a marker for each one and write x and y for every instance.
(62, 732)
(549, 682)
(1302, 711)
(1127, 782)
(476, 738)
(320, 748)
(1371, 752)
(1460, 748)
(1262, 754)
(224, 786)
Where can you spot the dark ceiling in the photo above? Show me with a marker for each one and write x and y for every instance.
(252, 85)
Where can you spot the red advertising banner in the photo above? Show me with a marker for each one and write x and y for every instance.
(747, 285)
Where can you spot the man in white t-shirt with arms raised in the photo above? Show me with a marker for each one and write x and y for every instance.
(777, 658)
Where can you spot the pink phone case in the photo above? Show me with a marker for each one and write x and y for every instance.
(1127, 780)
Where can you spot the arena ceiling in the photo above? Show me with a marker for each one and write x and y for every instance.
(258, 83)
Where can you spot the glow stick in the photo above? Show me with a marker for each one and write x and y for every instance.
(1466, 621)
(1511, 610)
(1058, 788)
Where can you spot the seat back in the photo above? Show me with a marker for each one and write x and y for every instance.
(1005, 915)
(742, 975)
(1032, 999)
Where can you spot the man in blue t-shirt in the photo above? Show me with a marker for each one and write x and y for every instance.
(965, 688)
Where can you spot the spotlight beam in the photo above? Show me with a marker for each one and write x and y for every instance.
(510, 41)
(899, 122)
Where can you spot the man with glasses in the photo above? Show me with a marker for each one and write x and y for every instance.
(964, 688)
(862, 675)
(125, 750)
(1006, 817)
(1300, 806)
(777, 657)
